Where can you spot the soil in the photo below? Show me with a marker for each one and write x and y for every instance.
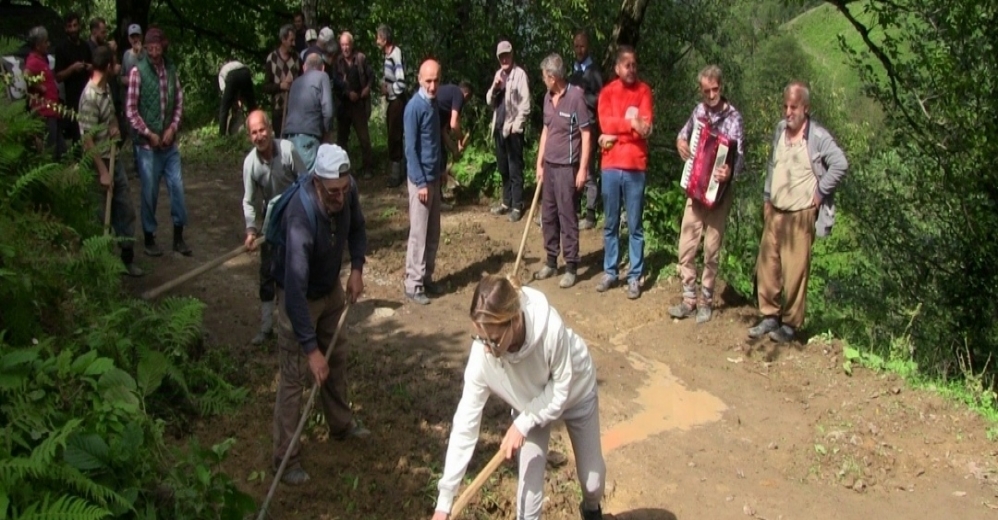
(697, 421)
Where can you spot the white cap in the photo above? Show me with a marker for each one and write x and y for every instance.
(311, 35)
(503, 47)
(134, 29)
(331, 162)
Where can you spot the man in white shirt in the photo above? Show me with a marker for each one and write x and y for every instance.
(235, 80)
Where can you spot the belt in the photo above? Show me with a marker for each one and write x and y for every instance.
(288, 136)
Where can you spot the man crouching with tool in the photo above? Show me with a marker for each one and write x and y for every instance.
(307, 271)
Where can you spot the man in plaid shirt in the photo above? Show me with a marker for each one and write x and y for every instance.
(155, 116)
(283, 66)
(99, 127)
(698, 219)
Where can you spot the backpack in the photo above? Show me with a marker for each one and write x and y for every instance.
(273, 230)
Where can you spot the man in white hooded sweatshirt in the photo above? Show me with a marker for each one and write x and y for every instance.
(524, 353)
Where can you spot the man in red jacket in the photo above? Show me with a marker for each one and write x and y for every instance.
(625, 121)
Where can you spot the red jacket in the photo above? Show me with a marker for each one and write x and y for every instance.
(631, 150)
(37, 64)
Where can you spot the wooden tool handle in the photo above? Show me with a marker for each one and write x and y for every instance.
(199, 270)
(526, 228)
(110, 192)
(477, 484)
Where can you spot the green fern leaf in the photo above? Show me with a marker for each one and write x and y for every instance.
(45, 452)
(64, 508)
(74, 479)
(86, 452)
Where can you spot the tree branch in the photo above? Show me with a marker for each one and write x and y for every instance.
(186, 23)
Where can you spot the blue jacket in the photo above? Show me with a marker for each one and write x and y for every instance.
(421, 127)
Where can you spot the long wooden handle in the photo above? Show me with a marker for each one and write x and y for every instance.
(477, 484)
(526, 228)
(303, 419)
(110, 192)
(199, 270)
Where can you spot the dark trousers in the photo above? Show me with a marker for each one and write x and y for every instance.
(354, 114)
(509, 160)
(238, 85)
(559, 220)
(394, 113)
(122, 209)
(593, 183)
(54, 142)
(268, 286)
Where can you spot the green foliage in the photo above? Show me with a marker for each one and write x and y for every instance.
(90, 379)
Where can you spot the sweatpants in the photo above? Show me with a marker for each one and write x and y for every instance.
(559, 219)
(783, 264)
(709, 223)
(295, 374)
(424, 237)
(582, 422)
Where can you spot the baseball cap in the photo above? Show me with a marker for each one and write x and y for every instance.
(311, 35)
(503, 47)
(331, 162)
(134, 29)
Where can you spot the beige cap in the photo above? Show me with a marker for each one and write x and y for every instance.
(503, 47)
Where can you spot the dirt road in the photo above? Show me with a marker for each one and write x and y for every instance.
(697, 422)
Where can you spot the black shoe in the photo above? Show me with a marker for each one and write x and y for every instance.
(784, 334)
(151, 248)
(596, 514)
(178, 242)
(515, 215)
(355, 431)
(433, 288)
(767, 325)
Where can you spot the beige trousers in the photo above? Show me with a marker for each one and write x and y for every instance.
(295, 374)
(699, 221)
(784, 262)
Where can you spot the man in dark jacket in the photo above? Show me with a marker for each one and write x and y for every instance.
(586, 74)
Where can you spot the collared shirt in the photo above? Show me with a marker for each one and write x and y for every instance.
(581, 66)
(268, 178)
(564, 124)
(310, 105)
(96, 114)
(37, 64)
(727, 121)
(132, 104)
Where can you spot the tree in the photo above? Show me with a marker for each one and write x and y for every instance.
(626, 30)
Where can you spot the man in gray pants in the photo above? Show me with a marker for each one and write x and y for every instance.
(424, 166)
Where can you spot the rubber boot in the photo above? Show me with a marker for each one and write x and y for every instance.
(266, 323)
(179, 245)
(397, 176)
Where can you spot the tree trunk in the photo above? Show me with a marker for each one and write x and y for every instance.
(128, 12)
(310, 8)
(625, 32)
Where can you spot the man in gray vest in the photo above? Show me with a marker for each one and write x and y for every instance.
(310, 110)
(269, 168)
(154, 107)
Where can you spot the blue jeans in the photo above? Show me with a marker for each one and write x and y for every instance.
(153, 166)
(308, 149)
(623, 188)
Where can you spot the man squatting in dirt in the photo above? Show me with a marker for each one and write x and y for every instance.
(523, 352)
(269, 168)
(805, 167)
(562, 168)
(311, 296)
(699, 220)
(99, 127)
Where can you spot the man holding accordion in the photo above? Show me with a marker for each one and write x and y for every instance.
(712, 145)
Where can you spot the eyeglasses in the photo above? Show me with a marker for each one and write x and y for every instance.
(493, 344)
(334, 193)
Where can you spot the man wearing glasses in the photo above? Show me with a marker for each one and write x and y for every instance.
(311, 296)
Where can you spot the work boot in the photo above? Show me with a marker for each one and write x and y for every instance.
(151, 248)
(515, 215)
(591, 514)
(633, 289)
(396, 177)
(784, 334)
(767, 325)
(295, 476)
(704, 312)
(354, 431)
(266, 323)
(685, 309)
(606, 283)
(178, 241)
(567, 279)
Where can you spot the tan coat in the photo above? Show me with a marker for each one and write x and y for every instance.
(516, 99)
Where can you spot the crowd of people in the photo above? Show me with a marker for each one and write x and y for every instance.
(593, 147)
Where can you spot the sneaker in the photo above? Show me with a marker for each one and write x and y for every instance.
(683, 310)
(133, 270)
(764, 327)
(567, 280)
(633, 289)
(606, 283)
(501, 209)
(418, 297)
(515, 215)
(784, 334)
(181, 247)
(152, 249)
(587, 224)
(704, 312)
(546, 272)
(295, 476)
(355, 431)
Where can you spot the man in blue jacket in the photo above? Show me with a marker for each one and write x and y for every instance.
(424, 166)
(307, 271)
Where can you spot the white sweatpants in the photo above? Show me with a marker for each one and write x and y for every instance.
(582, 422)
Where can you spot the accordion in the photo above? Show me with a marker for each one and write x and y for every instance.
(709, 151)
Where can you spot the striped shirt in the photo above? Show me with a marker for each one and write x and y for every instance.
(394, 73)
(96, 115)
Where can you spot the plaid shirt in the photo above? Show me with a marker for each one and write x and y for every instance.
(132, 103)
(728, 122)
(96, 115)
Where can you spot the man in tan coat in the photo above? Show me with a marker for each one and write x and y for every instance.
(509, 97)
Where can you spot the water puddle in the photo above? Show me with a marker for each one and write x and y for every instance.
(665, 405)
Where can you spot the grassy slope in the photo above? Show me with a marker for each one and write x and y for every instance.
(818, 32)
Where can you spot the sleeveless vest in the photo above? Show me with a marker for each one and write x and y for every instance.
(149, 95)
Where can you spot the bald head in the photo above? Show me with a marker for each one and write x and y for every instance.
(429, 77)
(258, 128)
(314, 62)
